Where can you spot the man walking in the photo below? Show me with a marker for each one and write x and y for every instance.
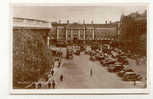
(61, 78)
(49, 84)
(52, 72)
(59, 63)
(91, 72)
(53, 84)
(39, 85)
(134, 83)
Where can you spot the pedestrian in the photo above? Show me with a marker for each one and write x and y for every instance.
(134, 83)
(39, 85)
(52, 72)
(61, 78)
(33, 85)
(53, 84)
(137, 61)
(59, 64)
(145, 85)
(49, 85)
(91, 72)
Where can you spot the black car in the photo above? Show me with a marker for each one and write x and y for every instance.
(131, 76)
(69, 54)
(100, 57)
(116, 68)
(122, 72)
(77, 52)
(93, 58)
(123, 60)
(108, 62)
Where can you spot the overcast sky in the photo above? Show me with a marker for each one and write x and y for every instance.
(76, 13)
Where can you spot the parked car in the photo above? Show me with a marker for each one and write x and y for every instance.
(69, 53)
(108, 62)
(131, 76)
(122, 72)
(93, 58)
(70, 56)
(77, 52)
(117, 63)
(92, 53)
(99, 56)
(123, 59)
(116, 68)
(82, 48)
(103, 61)
(86, 52)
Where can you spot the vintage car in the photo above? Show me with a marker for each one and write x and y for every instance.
(131, 76)
(116, 68)
(108, 61)
(123, 60)
(70, 56)
(93, 58)
(69, 53)
(77, 52)
(99, 56)
(122, 72)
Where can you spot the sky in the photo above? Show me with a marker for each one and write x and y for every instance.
(99, 14)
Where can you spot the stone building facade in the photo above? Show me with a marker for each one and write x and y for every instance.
(84, 32)
(28, 25)
(134, 32)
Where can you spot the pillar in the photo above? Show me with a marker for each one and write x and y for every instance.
(48, 41)
(93, 34)
(57, 33)
(66, 34)
(79, 34)
(84, 34)
(71, 34)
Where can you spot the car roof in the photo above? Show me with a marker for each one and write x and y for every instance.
(111, 67)
(117, 63)
(130, 73)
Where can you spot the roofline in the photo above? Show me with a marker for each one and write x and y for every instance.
(31, 19)
(31, 28)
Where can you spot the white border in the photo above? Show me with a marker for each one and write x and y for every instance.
(82, 91)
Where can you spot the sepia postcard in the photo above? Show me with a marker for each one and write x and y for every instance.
(79, 48)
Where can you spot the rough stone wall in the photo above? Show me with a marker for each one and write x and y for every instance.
(31, 57)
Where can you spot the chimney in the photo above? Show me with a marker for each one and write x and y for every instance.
(92, 22)
(59, 21)
(83, 21)
(110, 22)
(67, 21)
(106, 22)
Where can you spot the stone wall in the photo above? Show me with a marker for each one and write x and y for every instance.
(31, 57)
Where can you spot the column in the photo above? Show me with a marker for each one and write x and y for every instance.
(66, 34)
(93, 34)
(84, 34)
(79, 34)
(48, 41)
(57, 34)
(71, 34)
